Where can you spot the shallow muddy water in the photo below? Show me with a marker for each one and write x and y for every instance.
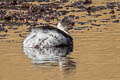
(95, 55)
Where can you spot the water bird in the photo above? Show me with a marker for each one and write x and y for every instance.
(49, 36)
(47, 55)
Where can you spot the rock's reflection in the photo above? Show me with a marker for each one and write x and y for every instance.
(54, 56)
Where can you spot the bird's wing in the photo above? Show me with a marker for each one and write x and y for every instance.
(47, 38)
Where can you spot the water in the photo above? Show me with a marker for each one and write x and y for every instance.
(95, 54)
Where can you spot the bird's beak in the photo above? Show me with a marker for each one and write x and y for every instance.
(77, 28)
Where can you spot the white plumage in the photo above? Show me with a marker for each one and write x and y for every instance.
(48, 36)
(45, 55)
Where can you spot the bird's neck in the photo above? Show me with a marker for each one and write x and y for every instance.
(59, 26)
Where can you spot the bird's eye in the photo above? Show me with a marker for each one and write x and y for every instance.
(73, 24)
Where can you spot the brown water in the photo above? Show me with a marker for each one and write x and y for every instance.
(95, 55)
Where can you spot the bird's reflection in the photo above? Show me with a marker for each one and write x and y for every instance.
(54, 56)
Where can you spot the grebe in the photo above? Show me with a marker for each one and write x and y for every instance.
(47, 55)
(48, 36)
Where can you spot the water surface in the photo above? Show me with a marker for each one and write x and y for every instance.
(95, 56)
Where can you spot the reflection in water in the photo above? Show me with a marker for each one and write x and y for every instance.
(54, 56)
